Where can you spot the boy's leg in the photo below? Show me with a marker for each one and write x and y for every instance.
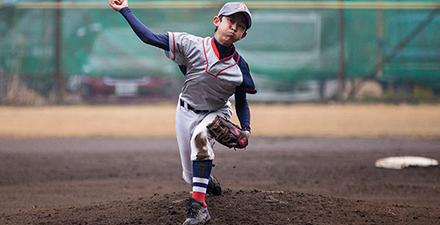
(184, 122)
(201, 173)
(202, 155)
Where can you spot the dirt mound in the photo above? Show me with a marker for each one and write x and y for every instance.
(234, 207)
(114, 181)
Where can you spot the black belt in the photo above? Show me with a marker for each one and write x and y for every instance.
(182, 103)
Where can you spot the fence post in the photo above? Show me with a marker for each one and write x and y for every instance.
(2, 84)
(60, 87)
(341, 74)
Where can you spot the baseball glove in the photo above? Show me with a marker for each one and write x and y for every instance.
(227, 133)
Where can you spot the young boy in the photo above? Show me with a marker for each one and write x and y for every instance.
(213, 72)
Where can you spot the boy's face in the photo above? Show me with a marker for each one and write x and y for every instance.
(230, 29)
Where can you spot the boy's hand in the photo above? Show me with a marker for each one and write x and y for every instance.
(248, 134)
(118, 4)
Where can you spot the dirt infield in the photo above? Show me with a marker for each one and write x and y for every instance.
(116, 165)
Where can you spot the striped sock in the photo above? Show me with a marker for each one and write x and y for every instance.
(201, 173)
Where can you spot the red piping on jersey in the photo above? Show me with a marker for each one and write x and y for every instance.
(249, 91)
(214, 47)
(207, 63)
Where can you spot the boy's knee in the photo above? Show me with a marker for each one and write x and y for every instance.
(201, 142)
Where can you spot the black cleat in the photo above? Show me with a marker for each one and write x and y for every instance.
(214, 187)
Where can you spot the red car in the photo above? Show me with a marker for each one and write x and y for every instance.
(104, 89)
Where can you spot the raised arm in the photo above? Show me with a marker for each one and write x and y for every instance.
(147, 36)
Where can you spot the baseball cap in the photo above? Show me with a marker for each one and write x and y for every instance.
(236, 7)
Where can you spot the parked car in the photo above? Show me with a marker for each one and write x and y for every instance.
(105, 89)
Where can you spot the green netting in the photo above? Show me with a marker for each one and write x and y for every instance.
(285, 44)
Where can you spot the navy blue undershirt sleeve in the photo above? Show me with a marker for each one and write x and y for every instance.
(242, 109)
(241, 104)
(158, 40)
(248, 84)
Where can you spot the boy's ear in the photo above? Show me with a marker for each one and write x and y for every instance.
(216, 21)
(244, 35)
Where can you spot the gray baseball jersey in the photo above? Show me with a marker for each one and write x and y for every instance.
(209, 81)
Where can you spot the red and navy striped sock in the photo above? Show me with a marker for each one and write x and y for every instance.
(201, 173)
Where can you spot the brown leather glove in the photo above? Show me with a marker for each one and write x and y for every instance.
(227, 133)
